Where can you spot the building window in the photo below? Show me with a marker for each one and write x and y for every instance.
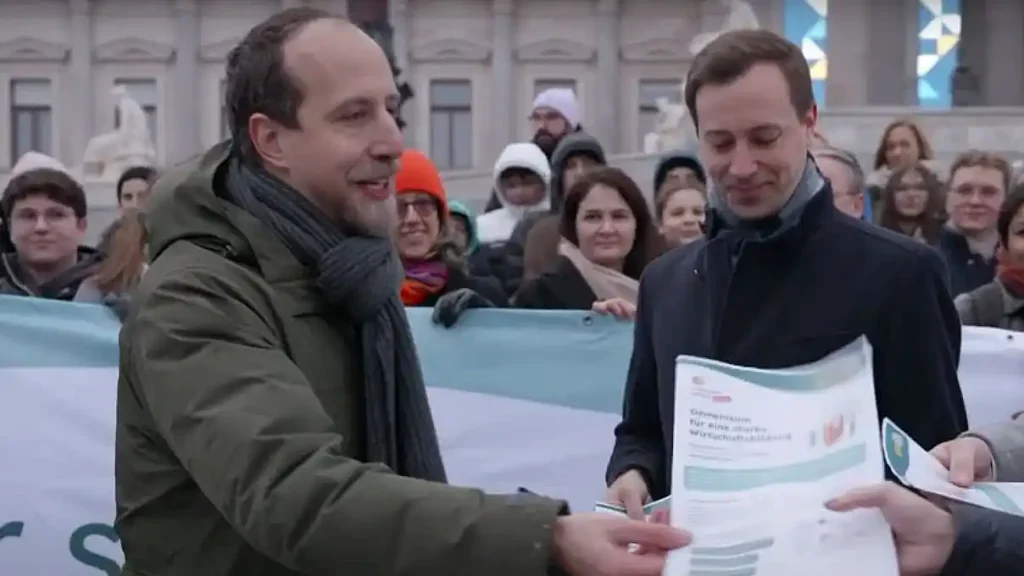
(938, 40)
(805, 23)
(451, 124)
(31, 117)
(647, 115)
(144, 92)
(543, 84)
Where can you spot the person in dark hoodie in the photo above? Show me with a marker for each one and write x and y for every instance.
(781, 278)
(674, 168)
(574, 155)
(44, 219)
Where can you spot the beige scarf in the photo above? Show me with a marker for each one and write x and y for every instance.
(603, 281)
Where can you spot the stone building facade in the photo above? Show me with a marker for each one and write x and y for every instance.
(474, 65)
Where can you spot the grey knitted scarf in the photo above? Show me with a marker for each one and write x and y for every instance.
(359, 276)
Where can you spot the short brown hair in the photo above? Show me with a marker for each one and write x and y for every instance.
(972, 158)
(56, 185)
(647, 243)
(734, 53)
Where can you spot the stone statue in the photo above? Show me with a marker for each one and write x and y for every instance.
(673, 129)
(107, 155)
(738, 16)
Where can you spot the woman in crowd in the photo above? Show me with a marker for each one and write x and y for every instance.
(433, 263)
(912, 203)
(123, 250)
(680, 212)
(1000, 303)
(903, 143)
(608, 237)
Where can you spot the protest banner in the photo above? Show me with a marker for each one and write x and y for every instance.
(520, 399)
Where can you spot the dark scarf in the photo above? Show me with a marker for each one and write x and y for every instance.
(811, 182)
(359, 276)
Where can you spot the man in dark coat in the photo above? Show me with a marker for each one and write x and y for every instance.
(782, 278)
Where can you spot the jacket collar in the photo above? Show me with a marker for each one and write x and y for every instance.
(808, 188)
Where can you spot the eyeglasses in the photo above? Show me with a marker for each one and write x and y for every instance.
(424, 207)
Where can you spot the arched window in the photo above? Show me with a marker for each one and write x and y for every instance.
(938, 38)
(805, 23)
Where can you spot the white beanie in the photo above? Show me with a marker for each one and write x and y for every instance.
(36, 160)
(561, 100)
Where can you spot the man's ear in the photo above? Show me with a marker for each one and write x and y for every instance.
(265, 135)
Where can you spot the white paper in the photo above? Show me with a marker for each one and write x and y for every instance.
(918, 469)
(757, 453)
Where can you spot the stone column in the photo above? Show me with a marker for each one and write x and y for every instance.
(1003, 79)
(81, 126)
(504, 105)
(848, 54)
(607, 99)
(398, 17)
(891, 38)
(184, 96)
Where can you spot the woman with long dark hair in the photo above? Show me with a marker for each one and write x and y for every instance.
(912, 203)
(608, 238)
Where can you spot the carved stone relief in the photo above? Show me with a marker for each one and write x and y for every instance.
(216, 52)
(450, 50)
(133, 49)
(28, 49)
(555, 50)
(655, 50)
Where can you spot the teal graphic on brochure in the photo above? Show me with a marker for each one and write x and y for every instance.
(918, 469)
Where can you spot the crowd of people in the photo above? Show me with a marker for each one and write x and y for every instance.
(265, 359)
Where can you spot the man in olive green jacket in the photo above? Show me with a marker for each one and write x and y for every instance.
(248, 402)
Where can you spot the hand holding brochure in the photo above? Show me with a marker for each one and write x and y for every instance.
(649, 508)
(918, 469)
(756, 453)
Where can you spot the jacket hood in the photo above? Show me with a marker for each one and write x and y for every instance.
(186, 205)
(677, 159)
(570, 145)
(527, 156)
(456, 208)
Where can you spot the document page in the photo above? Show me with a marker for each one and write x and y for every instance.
(756, 453)
(918, 469)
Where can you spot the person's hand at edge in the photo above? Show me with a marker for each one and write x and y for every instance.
(623, 310)
(924, 532)
(631, 492)
(968, 459)
(598, 543)
(450, 307)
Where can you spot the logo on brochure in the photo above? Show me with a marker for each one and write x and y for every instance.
(699, 383)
